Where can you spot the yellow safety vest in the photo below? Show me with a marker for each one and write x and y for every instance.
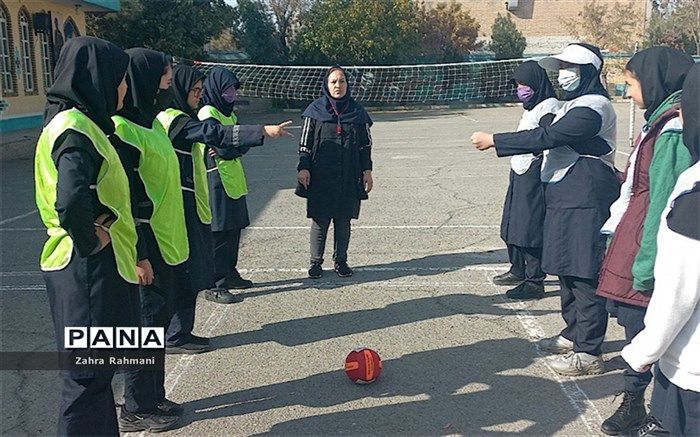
(112, 191)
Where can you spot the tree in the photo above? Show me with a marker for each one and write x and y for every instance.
(368, 32)
(176, 27)
(447, 32)
(507, 42)
(675, 23)
(256, 33)
(286, 13)
(610, 28)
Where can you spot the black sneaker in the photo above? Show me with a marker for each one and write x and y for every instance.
(170, 408)
(629, 416)
(220, 295)
(507, 278)
(526, 290)
(651, 427)
(149, 422)
(315, 271)
(343, 270)
(199, 340)
(186, 349)
(236, 282)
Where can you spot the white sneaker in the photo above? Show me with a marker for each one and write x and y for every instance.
(578, 364)
(556, 345)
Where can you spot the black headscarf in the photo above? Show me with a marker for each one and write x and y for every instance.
(590, 77)
(348, 109)
(145, 70)
(690, 104)
(661, 72)
(218, 81)
(87, 75)
(184, 79)
(534, 76)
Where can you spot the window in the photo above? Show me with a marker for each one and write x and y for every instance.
(26, 52)
(46, 61)
(8, 85)
(70, 30)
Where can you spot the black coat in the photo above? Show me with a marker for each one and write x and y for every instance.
(523, 210)
(336, 163)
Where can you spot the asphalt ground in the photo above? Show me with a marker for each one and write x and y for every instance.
(459, 359)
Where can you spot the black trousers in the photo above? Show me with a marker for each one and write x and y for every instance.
(185, 300)
(526, 262)
(584, 313)
(341, 239)
(677, 409)
(145, 389)
(226, 245)
(631, 317)
(88, 292)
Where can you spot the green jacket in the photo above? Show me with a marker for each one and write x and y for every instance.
(671, 158)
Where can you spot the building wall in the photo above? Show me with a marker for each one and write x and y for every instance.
(25, 108)
(542, 22)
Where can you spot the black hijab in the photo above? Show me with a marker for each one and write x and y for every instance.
(87, 75)
(534, 76)
(690, 104)
(590, 77)
(348, 109)
(661, 72)
(218, 81)
(184, 79)
(145, 70)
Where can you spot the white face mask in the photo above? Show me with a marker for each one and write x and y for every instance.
(569, 78)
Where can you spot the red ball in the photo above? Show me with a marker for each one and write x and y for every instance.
(363, 365)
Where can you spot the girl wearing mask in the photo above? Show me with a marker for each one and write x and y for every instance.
(654, 77)
(227, 182)
(82, 194)
(335, 168)
(523, 212)
(580, 185)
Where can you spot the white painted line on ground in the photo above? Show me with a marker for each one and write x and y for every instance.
(307, 227)
(588, 413)
(486, 267)
(22, 229)
(469, 118)
(21, 273)
(12, 219)
(22, 287)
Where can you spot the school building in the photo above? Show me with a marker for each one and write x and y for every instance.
(542, 22)
(32, 33)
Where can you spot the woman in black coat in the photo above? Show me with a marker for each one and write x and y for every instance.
(335, 168)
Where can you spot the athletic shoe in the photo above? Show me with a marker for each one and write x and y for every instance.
(507, 278)
(315, 271)
(556, 345)
(149, 422)
(526, 290)
(170, 408)
(186, 349)
(578, 364)
(220, 295)
(343, 270)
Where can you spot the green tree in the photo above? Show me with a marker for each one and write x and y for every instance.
(675, 23)
(608, 27)
(447, 32)
(368, 32)
(287, 13)
(256, 33)
(177, 27)
(507, 42)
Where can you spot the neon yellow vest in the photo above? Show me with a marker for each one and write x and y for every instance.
(112, 191)
(230, 170)
(159, 170)
(199, 168)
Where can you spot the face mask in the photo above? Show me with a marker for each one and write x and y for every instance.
(229, 95)
(524, 93)
(164, 98)
(569, 78)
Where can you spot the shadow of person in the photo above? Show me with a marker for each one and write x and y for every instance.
(311, 329)
(468, 389)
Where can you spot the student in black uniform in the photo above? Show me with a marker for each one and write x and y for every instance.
(523, 211)
(148, 155)
(89, 259)
(227, 181)
(335, 168)
(189, 136)
(580, 185)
